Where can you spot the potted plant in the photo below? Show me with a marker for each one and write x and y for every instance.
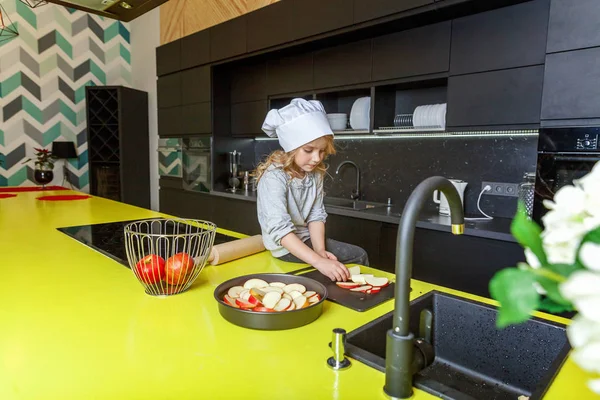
(562, 269)
(44, 165)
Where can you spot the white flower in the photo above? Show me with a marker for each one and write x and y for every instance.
(588, 356)
(589, 254)
(568, 201)
(594, 385)
(531, 258)
(582, 289)
(583, 330)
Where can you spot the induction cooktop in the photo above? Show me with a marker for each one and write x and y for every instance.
(109, 238)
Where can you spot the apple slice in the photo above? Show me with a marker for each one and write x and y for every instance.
(347, 285)
(361, 288)
(255, 283)
(244, 304)
(300, 302)
(376, 289)
(234, 292)
(262, 309)
(358, 279)
(287, 296)
(375, 281)
(277, 284)
(258, 293)
(309, 293)
(294, 286)
(271, 299)
(282, 304)
(368, 291)
(230, 301)
(245, 294)
(354, 270)
(294, 294)
(313, 299)
(292, 307)
(272, 289)
(253, 300)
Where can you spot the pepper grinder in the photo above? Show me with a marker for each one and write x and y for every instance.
(338, 344)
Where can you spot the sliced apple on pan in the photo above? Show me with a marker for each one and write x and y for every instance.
(245, 294)
(300, 302)
(313, 299)
(294, 286)
(262, 309)
(244, 304)
(282, 304)
(347, 285)
(354, 270)
(277, 284)
(377, 282)
(235, 291)
(271, 299)
(230, 301)
(255, 283)
(257, 293)
(287, 296)
(309, 293)
(294, 294)
(292, 307)
(363, 288)
(272, 289)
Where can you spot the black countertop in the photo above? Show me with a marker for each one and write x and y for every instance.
(497, 228)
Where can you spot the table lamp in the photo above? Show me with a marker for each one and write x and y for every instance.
(64, 150)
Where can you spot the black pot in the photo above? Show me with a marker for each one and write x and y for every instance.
(271, 320)
(43, 177)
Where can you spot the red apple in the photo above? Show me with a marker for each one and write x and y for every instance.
(151, 269)
(178, 267)
(244, 304)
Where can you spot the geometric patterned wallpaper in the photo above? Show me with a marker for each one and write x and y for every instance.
(43, 75)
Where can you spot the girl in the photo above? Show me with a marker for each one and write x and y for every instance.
(290, 192)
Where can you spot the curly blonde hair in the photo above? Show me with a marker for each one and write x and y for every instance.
(287, 160)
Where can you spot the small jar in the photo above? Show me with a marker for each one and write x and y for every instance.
(526, 192)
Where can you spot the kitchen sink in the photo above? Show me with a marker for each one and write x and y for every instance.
(351, 204)
(472, 358)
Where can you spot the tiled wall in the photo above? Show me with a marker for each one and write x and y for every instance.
(43, 74)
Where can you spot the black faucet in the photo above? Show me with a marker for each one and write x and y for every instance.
(356, 192)
(399, 360)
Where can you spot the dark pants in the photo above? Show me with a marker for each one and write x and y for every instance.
(346, 253)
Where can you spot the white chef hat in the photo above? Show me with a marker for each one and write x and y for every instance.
(298, 123)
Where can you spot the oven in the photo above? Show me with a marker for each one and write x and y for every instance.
(564, 155)
(196, 161)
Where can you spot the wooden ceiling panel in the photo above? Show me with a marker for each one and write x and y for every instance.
(171, 26)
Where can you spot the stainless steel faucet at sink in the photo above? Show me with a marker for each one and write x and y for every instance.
(399, 358)
(356, 192)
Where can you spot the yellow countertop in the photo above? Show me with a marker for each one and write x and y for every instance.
(75, 324)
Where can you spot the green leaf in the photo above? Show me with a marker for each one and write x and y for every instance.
(552, 291)
(515, 291)
(564, 269)
(527, 233)
(592, 236)
(548, 305)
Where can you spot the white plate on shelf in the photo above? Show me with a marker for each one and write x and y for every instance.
(360, 114)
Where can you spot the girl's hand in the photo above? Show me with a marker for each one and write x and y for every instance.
(333, 269)
(328, 255)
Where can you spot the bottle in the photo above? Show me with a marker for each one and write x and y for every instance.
(526, 192)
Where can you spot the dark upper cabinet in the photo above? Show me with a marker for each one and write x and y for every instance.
(169, 121)
(573, 25)
(290, 74)
(572, 85)
(346, 64)
(365, 10)
(417, 51)
(247, 118)
(272, 25)
(195, 49)
(195, 85)
(228, 39)
(249, 82)
(504, 38)
(196, 118)
(168, 89)
(312, 17)
(508, 97)
(168, 58)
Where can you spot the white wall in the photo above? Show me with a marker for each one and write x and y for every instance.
(145, 38)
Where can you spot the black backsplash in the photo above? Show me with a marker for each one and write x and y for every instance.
(393, 167)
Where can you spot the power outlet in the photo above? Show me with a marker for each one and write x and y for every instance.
(501, 189)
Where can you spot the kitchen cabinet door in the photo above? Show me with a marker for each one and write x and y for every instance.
(247, 118)
(249, 82)
(572, 85)
(343, 65)
(504, 38)
(290, 74)
(365, 10)
(228, 39)
(507, 97)
(196, 86)
(168, 88)
(271, 25)
(183, 204)
(195, 49)
(313, 17)
(168, 58)
(573, 25)
(412, 52)
(196, 118)
(360, 232)
(169, 121)
(236, 215)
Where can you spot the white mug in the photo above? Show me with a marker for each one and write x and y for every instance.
(440, 199)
